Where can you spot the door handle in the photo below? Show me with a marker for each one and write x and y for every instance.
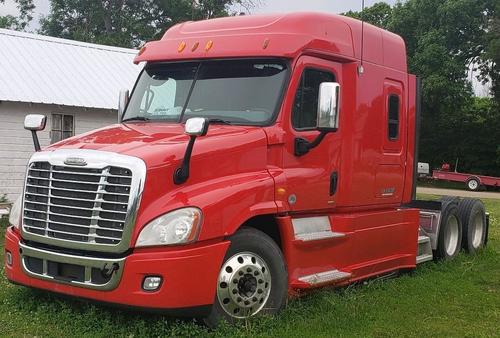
(334, 180)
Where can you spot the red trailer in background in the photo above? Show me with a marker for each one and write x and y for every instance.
(472, 181)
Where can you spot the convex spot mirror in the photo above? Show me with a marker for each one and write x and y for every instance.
(196, 126)
(328, 106)
(35, 122)
(122, 102)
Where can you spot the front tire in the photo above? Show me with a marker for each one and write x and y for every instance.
(253, 279)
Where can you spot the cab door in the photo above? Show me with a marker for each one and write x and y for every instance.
(313, 178)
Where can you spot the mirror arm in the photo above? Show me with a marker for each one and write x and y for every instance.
(181, 174)
(302, 146)
(36, 142)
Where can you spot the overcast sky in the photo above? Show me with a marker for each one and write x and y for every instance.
(333, 6)
(268, 6)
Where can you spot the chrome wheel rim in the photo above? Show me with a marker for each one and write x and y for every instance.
(451, 236)
(244, 285)
(473, 184)
(477, 231)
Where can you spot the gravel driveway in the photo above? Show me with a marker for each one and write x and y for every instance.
(461, 193)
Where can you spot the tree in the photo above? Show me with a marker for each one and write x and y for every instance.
(127, 23)
(443, 39)
(19, 22)
(379, 14)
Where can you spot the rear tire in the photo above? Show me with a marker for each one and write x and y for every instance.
(472, 184)
(253, 279)
(450, 233)
(473, 217)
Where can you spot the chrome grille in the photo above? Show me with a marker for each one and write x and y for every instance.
(77, 204)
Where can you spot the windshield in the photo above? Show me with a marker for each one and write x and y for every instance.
(229, 91)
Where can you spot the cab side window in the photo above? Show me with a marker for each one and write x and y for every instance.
(393, 117)
(305, 106)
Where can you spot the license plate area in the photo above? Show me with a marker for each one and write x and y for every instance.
(66, 272)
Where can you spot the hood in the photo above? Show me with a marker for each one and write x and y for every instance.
(159, 144)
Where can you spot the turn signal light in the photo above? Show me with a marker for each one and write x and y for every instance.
(182, 46)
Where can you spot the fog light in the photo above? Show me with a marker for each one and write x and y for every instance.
(8, 258)
(151, 283)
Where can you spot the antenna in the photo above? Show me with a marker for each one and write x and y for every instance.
(361, 70)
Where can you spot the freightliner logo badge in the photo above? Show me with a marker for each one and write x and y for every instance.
(78, 161)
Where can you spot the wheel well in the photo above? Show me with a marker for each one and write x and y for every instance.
(267, 224)
(473, 178)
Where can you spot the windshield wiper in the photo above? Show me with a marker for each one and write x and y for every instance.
(221, 121)
(136, 118)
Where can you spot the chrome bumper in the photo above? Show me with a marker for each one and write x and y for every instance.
(49, 265)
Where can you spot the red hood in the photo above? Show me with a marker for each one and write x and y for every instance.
(159, 144)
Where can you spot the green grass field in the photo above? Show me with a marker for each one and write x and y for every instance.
(459, 298)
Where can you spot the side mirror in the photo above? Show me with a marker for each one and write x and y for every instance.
(122, 102)
(34, 123)
(196, 126)
(327, 119)
(328, 106)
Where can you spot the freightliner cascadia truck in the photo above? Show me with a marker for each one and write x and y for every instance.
(255, 157)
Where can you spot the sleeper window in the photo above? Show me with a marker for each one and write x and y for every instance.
(305, 107)
(62, 127)
(393, 118)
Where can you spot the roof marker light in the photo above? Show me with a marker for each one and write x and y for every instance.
(195, 46)
(209, 45)
(141, 51)
(266, 44)
(182, 46)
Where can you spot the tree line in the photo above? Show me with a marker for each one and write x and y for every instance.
(444, 40)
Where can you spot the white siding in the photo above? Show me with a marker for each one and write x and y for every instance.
(16, 145)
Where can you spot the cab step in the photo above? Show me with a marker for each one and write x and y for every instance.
(316, 236)
(424, 258)
(424, 249)
(325, 277)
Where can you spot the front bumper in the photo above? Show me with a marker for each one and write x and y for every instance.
(189, 274)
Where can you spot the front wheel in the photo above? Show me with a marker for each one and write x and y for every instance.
(253, 279)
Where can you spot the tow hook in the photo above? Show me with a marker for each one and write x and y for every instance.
(108, 269)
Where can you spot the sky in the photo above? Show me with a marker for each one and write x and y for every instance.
(267, 6)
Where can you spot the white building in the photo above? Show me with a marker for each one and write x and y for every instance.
(74, 84)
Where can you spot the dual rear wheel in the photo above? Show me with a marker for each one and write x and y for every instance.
(463, 225)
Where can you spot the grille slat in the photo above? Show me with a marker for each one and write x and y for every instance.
(77, 204)
(77, 234)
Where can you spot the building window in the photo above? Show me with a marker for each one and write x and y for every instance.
(305, 106)
(393, 118)
(62, 127)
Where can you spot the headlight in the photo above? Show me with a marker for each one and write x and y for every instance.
(177, 227)
(15, 212)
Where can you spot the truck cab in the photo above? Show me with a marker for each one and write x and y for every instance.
(255, 156)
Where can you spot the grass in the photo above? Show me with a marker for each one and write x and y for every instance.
(459, 298)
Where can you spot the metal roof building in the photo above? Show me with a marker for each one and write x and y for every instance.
(75, 84)
(41, 69)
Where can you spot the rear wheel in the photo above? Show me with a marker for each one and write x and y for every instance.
(473, 217)
(472, 184)
(252, 280)
(450, 233)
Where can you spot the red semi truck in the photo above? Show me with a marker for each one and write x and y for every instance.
(256, 156)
